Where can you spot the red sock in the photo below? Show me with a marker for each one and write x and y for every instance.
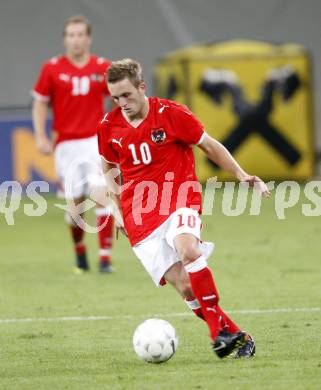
(205, 291)
(194, 305)
(226, 323)
(105, 223)
(77, 234)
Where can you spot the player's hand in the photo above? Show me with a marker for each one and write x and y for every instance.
(119, 222)
(44, 145)
(120, 228)
(256, 182)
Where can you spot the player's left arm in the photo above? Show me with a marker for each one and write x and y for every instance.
(217, 153)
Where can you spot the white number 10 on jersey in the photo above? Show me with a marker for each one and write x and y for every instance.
(80, 85)
(145, 154)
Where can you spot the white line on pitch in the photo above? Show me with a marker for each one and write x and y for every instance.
(185, 314)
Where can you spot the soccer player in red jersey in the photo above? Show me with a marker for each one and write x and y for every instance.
(74, 85)
(150, 140)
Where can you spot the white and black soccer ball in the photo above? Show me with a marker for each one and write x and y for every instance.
(155, 340)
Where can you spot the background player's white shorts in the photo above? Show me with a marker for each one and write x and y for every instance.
(78, 167)
(157, 251)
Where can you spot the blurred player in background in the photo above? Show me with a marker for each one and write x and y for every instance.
(150, 140)
(74, 85)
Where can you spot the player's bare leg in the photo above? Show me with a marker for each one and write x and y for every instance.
(203, 286)
(178, 278)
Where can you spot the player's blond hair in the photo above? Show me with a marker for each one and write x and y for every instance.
(125, 68)
(78, 19)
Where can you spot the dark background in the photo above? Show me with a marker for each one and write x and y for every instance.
(31, 31)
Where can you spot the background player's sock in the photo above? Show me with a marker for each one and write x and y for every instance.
(77, 234)
(206, 293)
(105, 224)
(195, 306)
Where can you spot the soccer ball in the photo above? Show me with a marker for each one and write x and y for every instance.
(155, 340)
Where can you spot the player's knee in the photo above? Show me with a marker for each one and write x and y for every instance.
(189, 254)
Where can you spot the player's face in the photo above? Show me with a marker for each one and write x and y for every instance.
(129, 98)
(76, 40)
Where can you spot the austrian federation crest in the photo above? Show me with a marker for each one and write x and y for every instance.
(158, 136)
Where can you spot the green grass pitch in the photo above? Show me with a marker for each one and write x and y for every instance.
(259, 263)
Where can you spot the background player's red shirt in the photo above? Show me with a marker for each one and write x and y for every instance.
(76, 95)
(157, 152)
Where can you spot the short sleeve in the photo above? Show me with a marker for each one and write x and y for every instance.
(43, 87)
(186, 127)
(104, 144)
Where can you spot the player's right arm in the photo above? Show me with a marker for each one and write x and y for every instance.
(112, 177)
(39, 117)
(110, 165)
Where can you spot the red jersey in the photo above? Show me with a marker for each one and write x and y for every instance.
(157, 159)
(76, 95)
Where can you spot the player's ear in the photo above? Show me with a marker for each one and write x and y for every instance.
(142, 86)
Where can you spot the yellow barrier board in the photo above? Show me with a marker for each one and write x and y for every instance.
(253, 97)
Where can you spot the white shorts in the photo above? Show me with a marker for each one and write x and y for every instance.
(78, 167)
(157, 251)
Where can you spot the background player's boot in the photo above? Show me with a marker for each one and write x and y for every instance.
(225, 343)
(247, 350)
(81, 263)
(105, 267)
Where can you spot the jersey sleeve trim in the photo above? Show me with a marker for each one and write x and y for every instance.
(201, 139)
(38, 96)
(109, 162)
